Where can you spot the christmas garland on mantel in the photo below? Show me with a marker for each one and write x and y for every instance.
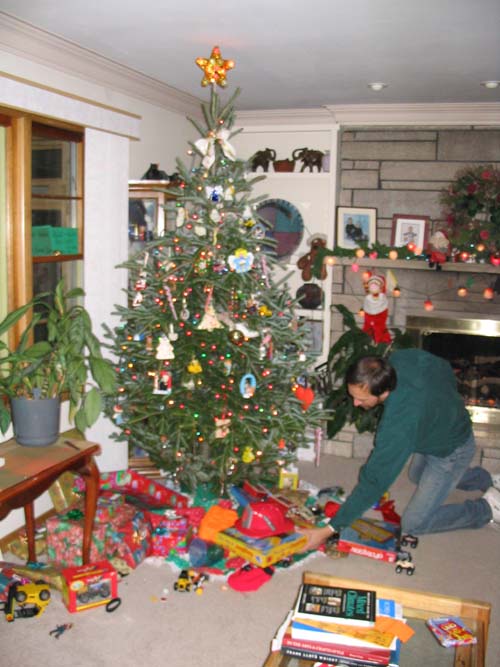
(472, 208)
(472, 214)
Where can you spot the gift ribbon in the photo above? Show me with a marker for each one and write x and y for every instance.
(74, 515)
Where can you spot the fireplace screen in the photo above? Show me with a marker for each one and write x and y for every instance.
(472, 346)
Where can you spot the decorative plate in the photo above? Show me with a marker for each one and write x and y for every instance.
(286, 225)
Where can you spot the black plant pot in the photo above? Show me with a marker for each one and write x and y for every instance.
(36, 420)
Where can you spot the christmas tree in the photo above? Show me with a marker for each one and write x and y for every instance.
(212, 363)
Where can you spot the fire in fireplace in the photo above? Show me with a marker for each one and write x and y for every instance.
(472, 346)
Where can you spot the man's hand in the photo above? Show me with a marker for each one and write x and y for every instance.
(315, 537)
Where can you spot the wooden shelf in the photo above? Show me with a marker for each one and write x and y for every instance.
(293, 174)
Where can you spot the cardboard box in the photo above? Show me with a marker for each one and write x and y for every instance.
(262, 551)
(380, 544)
(88, 586)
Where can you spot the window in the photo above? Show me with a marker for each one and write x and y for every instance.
(56, 205)
(41, 207)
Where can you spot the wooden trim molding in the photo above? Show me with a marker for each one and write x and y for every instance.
(477, 114)
(440, 115)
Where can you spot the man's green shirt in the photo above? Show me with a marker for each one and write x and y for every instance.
(425, 414)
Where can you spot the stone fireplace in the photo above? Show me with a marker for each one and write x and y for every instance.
(472, 346)
(463, 329)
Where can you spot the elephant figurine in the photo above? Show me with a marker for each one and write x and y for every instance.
(310, 158)
(262, 159)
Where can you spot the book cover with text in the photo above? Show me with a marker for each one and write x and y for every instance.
(342, 605)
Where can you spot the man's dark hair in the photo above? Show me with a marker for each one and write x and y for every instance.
(374, 372)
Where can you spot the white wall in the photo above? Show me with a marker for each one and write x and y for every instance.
(164, 133)
(123, 136)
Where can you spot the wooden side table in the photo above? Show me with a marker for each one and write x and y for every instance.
(29, 471)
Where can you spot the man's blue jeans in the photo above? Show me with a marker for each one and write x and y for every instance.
(435, 479)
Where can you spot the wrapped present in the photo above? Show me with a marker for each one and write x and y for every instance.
(169, 520)
(163, 541)
(19, 546)
(142, 488)
(108, 505)
(49, 573)
(129, 536)
(7, 577)
(65, 538)
(193, 514)
(63, 492)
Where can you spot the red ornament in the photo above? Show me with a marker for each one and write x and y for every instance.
(305, 396)
(495, 259)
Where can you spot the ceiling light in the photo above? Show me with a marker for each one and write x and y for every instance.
(490, 84)
(378, 85)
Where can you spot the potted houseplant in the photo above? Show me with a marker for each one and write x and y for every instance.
(69, 362)
(353, 344)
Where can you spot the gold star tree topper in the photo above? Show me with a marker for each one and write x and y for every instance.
(215, 68)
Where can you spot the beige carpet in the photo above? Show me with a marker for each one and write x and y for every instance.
(224, 628)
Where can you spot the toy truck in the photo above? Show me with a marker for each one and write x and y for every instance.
(26, 600)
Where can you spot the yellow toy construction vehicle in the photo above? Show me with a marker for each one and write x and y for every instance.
(26, 600)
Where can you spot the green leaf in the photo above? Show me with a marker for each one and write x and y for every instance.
(103, 374)
(92, 406)
(14, 317)
(4, 417)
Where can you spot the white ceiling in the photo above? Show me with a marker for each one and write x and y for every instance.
(293, 53)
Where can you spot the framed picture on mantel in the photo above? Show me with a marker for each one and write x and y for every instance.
(356, 226)
(410, 229)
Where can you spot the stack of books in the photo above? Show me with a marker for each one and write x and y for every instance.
(339, 626)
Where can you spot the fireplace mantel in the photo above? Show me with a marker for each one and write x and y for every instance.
(417, 265)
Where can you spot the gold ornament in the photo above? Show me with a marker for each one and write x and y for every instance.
(264, 311)
(194, 366)
(248, 456)
(236, 336)
(215, 68)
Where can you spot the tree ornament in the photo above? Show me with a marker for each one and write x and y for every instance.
(241, 261)
(236, 337)
(163, 383)
(214, 68)
(248, 456)
(222, 427)
(214, 193)
(185, 314)
(194, 367)
(209, 321)
(207, 147)
(180, 218)
(164, 349)
(304, 394)
(248, 385)
(265, 311)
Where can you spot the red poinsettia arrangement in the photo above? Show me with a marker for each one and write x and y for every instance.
(472, 210)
